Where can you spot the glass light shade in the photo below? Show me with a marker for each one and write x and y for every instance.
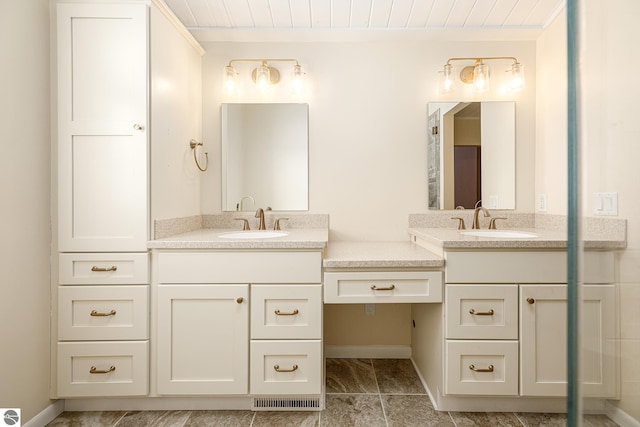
(447, 78)
(517, 77)
(481, 77)
(263, 76)
(229, 78)
(297, 77)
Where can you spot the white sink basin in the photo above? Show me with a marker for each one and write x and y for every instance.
(500, 234)
(256, 234)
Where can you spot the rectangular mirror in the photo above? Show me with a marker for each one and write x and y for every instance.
(265, 156)
(471, 155)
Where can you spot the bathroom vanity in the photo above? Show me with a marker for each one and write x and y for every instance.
(500, 343)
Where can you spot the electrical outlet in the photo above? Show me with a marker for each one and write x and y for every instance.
(369, 309)
(542, 202)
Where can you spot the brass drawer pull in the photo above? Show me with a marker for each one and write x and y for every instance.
(95, 370)
(481, 313)
(293, 313)
(277, 368)
(96, 268)
(97, 314)
(239, 300)
(375, 288)
(531, 300)
(473, 368)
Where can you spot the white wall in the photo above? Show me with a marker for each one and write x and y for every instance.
(25, 214)
(551, 116)
(176, 118)
(608, 99)
(368, 122)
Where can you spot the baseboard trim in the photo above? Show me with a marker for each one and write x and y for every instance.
(47, 415)
(367, 351)
(166, 403)
(619, 416)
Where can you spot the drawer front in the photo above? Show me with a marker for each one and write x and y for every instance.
(115, 368)
(517, 266)
(383, 287)
(488, 368)
(286, 367)
(481, 311)
(286, 311)
(104, 269)
(240, 267)
(92, 313)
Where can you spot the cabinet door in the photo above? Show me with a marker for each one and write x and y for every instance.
(102, 127)
(543, 340)
(203, 339)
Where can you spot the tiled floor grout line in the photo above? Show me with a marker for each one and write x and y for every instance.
(375, 377)
(452, 420)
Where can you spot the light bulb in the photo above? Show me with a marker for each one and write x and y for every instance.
(229, 78)
(517, 77)
(447, 78)
(263, 76)
(481, 77)
(297, 77)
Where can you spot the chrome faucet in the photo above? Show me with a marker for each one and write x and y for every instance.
(476, 224)
(260, 214)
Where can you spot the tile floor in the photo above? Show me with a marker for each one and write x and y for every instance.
(359, 392)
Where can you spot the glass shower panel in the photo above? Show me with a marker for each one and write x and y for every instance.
(604, 192)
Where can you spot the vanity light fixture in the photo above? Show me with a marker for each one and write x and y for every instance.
(264, 75)
(478, 74)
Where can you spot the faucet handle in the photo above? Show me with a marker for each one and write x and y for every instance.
(245, 224)
(492, 222)
(276, 225)
(460, 223)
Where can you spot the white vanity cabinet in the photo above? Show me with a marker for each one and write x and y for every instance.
(505, 324)
(103, 113)
(203, 339)
(108, 62)
(239, 322)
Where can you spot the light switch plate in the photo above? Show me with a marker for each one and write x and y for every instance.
(605, 203)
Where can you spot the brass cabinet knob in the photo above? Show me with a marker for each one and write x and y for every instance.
(531, 300)
(239, 300)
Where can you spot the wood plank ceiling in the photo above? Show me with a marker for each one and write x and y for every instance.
(365, 14)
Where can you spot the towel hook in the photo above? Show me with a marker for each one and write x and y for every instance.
(193, 144)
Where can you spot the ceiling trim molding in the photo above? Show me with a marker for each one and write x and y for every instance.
(364, 35)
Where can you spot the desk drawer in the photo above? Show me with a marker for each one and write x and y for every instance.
(488, 368)
(481, 311)
(104, 269)
(115, 368)
(286, 367)
(92, 313)
(286, 311)
(383, 287)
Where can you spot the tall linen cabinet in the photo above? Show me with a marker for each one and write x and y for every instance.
(122, 100)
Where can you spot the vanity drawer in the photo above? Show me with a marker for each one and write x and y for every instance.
(120, 368)
(481, 311)
(488, 368)
(90, 313)
(240, 267)
(286, 311)
(383, 287)
(286, 367)
(104, 269)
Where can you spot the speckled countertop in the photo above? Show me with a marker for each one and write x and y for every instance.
(209, 238)
(437, 239)
(379, 255)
